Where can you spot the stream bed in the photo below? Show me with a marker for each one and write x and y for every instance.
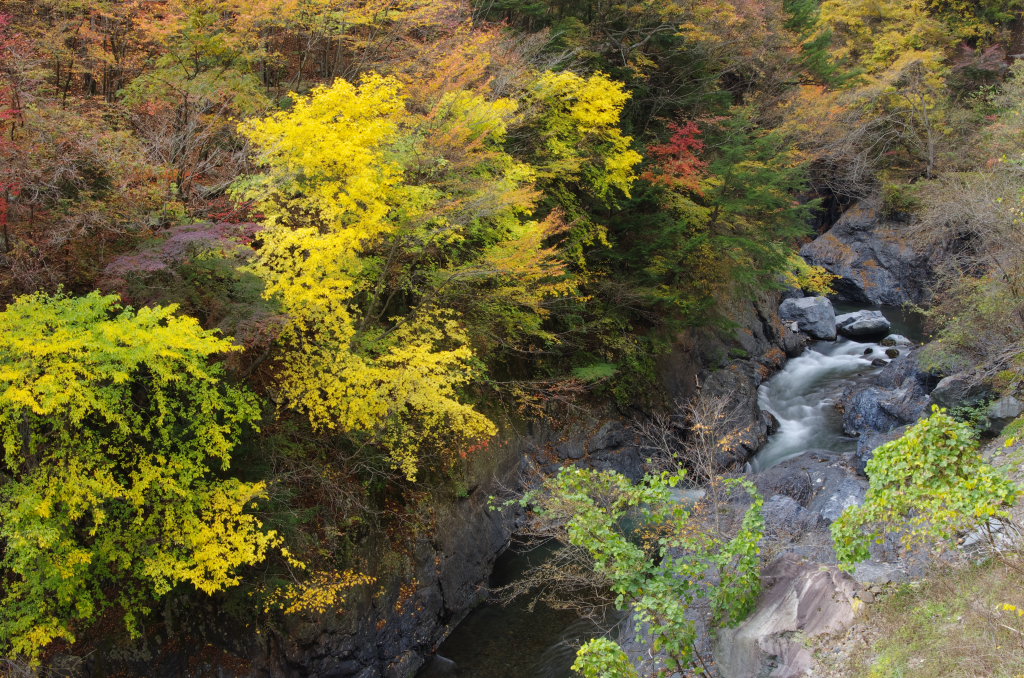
(515, 641)
(803, 395)
(524, 641)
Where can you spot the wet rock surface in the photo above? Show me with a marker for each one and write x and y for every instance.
(812, 315)
(898, 395)
(863, 325)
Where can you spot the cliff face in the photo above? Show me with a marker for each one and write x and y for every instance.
(876, 263)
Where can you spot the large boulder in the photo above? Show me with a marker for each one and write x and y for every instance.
(802, 599)
(1002, 412)
(896, 396)
(960, 390)
(881, 410)
(874, 260)
(863, 325)
(813, 315)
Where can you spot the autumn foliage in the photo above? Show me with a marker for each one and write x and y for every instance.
(352, 243)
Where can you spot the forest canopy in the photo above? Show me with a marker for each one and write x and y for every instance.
(277, 275)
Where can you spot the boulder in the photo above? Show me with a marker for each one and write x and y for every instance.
(801, 599)
(883, 409)
(896, 374)
(896, 396)
(959, 390)
(892, 353)
(874, 260)
(813, 315)
(1002, 412)
(895, 340)
(863, 325)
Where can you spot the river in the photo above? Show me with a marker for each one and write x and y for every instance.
(803, 395)
(514, 641)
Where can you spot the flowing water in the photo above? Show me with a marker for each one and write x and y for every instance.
(803, 395)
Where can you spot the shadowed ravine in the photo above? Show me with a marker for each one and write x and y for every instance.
(517, 642)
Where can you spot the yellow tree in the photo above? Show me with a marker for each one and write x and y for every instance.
(115, 428)
(329, 194)
(579, 149)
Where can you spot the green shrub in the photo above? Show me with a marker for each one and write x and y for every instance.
(928, 486)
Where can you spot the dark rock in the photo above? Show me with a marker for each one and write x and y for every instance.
(570, 449)
(863, 325)
(896, 374)
(550, 468)
(771, 420)
(813, 315)
(818, 480)
(627, 461)
(833, 499)
(959, 390)
(879, 362)
(868, 442)
(764, 339)
(869, 351)
(738, 384)
(882, 409)
(612, 435)
(785, 515)
(892, 352)
(875, 262)
(782, 480)
(405, 665)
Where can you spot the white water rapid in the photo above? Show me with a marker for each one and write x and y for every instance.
(803, 397)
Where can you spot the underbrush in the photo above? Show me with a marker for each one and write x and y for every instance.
(964, 621)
